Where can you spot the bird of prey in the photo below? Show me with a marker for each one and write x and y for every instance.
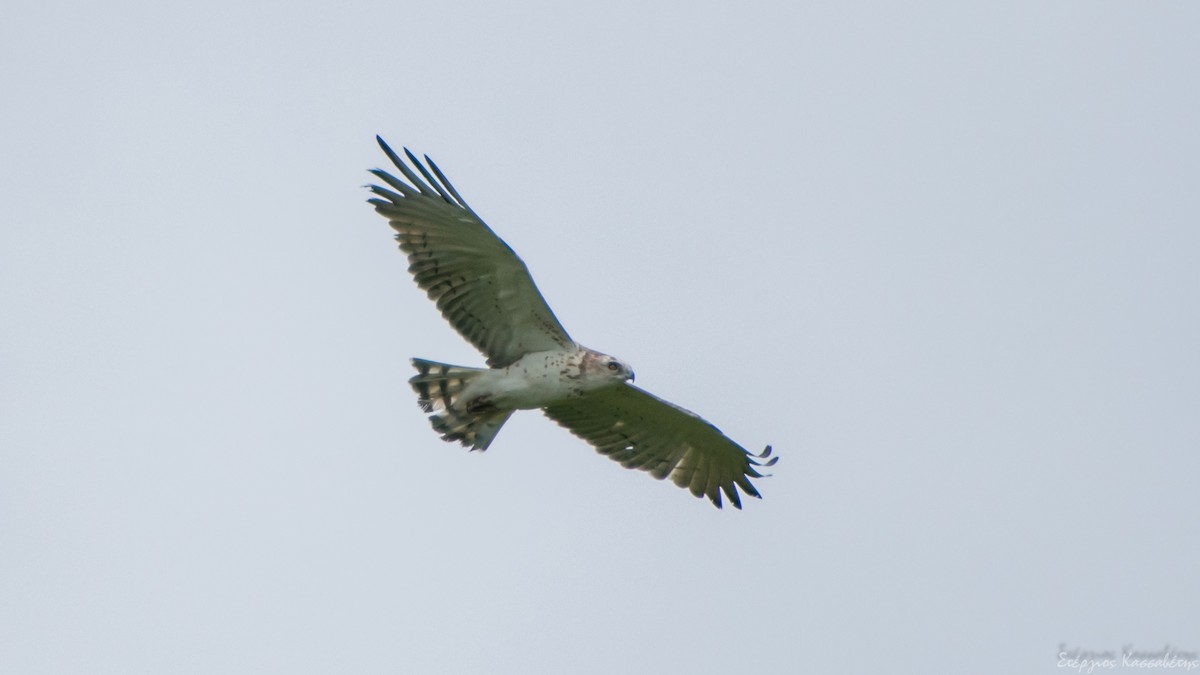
(486, 293)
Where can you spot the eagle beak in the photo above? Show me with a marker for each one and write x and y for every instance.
(632, 376)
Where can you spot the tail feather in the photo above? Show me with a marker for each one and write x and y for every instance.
(439, 388)
(439, 384)
(475, 431)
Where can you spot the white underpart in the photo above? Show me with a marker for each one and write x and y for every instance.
(537, 380)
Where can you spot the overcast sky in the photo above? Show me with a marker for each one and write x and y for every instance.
(943, 256)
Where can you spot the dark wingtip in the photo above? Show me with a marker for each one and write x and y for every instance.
(387, 150)
(757, 459)
(748, 487)
(731, 493)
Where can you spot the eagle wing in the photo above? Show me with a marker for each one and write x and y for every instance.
(480, 285)
(642, 431)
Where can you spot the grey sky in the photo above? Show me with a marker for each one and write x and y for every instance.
(943, 256)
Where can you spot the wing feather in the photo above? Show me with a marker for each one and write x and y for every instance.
(442, 179)
(478, 283)
(424, 172)
(642, 431)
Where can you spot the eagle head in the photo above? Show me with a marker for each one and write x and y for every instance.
(609, 369)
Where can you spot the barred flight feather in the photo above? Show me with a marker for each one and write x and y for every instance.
(669, 442)
(444, 239)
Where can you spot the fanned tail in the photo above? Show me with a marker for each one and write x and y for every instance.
(438, 385)
(439, 388)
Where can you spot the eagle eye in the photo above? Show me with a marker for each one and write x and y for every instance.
(614, 366)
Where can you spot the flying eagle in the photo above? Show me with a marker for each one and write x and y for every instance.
(486, 293)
